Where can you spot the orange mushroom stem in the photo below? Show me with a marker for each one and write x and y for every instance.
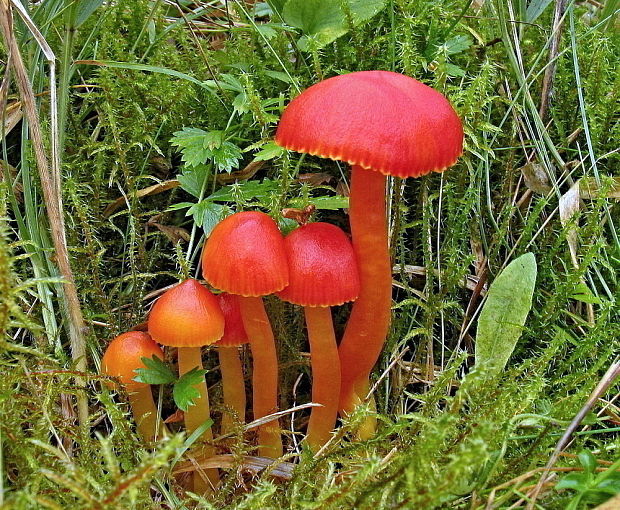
(188, 316)
(323, 273)
(233, 381)
(379, 122)
(122, 357)
(245, 255)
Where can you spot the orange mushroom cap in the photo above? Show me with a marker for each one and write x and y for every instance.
(378, 120)
(322, 265)
(187, 315)
(124, 355)
(234, 331)
(245, 255)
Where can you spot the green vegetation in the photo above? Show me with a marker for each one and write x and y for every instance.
(165, 116)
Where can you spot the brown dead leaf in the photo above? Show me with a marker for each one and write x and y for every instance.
(11, 116)
(301, 216)
(315, 179)
(536, 178)
(174, 234)
(241, 175)
(144, 192)
(590, 190)
(569, 205)
(175, 417)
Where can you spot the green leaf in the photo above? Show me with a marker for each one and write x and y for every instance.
(156, 372)
(226, 157)
(192, 142)
(503, 316)
(85, 9)
(185, 392)
(588, 461)
(324, 20)
(207, 214)
(575, 481)
(269, 151)
(192, 179)
(246, 191)
(535, 9)
(456, 44)
(584, 294)
(325, 203)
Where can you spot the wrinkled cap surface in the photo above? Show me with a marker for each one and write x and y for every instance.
(378, 120)
(187, 315)
(245, 255)
(234, 331)
(322, 266)
(124, 354)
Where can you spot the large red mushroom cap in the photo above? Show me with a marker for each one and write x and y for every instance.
(187, 315)
(245, 255)
(378, 120)
(124, 355)
(234, 331)
(322, 266)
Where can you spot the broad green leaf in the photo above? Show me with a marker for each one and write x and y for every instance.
(575, 481)
(226, 157)
(325, 203)
(584, 294)
(246, 191)
(84, 10)
(503, 315)
(588, 461)
(156, 372)
(192, 179)
(185, 392)
(193, 145)
(324, 20)
(456, 44)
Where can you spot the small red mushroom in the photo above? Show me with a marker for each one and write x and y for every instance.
(245, 255)
(323, 273)
(230, 364)
(382, 123)
(122, 357)
(188, 316)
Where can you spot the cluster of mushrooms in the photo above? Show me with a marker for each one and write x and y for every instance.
(381, 123)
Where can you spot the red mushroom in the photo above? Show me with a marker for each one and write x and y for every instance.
(382, 123)
(230, 364)
(188, 316)
(323, 273)
(122, 357)
(245, 255)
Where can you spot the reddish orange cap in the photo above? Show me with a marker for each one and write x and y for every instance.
(234, 332)
(187, 315)
(322, 266)
(245, 255)
(124, 354)
(378, 120)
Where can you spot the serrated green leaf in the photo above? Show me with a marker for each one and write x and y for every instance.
(207, 214)
(503, 315)
(192, 179)
(185, 392)
(156, 372)
(324, 20)
(456, 44)
(246, 191)
(191, 142)
(226, 157)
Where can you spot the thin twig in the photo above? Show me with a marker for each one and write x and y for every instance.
(547, 85)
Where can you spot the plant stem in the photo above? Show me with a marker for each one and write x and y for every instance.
(233, 386)
(369, 322)
(325, 375)
(264, 373)
(196, 415)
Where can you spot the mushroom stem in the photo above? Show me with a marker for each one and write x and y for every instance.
(145, 413)
(369, 322)
(325, 375)
(196, 415)
(264, 373)
(233, 386)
